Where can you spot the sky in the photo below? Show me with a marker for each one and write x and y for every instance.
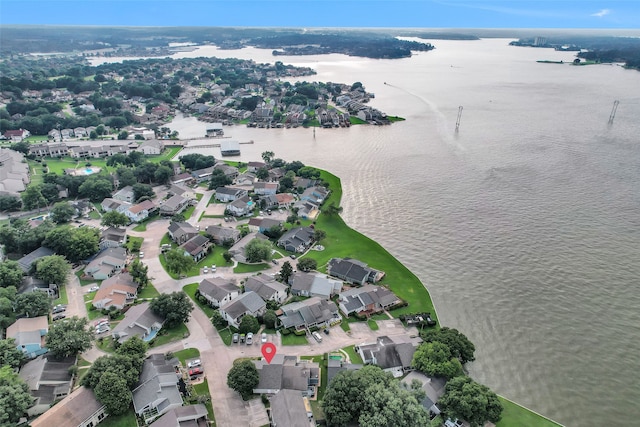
(623, 14)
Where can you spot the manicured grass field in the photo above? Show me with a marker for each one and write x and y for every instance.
(250, 268)
(373, 325)
(127, 419)
(191, 291)
(170, 335)
(353, 356)
(188, 212)
(293, 339)
(148, 291)
(63, 299)
(187, 353)
(342, 241)
(84, 282)
(517, 416)
(168, 154)
(226, 335)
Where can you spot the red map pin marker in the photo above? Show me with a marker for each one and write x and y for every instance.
(268, 351)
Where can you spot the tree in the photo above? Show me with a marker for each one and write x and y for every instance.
(307, 264)
(113, 392)
(391, 405)
(178, 218)
(258, 250)
(286, 271)
(7, 299)
(134, 348)
(53, 269)
(75, 244)
(243, 377)
(32, 198)
(218, 321)
(126, 176)
(435, 359)
(178, 262)
(96, 188)
(69, 337)
(33, 304)
(270, 319)
(218, 179)
(10, 274)
(114, 219)
(468, 400)
(162, 174)
(458, 343)
(319, 235)
(332, 209)
(345, 396)
(9, 354)
(174, 307)
(14, 397)
(142, 190)
(262, 174)
(249, 324)
(267, 156)
(10, 203)
(62, 212)
(139, 272)
(124, 366)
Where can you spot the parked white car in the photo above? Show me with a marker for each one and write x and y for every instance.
(194, 363)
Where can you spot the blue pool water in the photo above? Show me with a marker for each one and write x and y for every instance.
(151, 335)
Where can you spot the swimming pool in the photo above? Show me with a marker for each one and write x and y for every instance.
(151, 335)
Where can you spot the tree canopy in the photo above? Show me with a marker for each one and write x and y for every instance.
(468, 400)
(286, 271)
(307, 264)
(14, 396)
(113, 392)
(114, 219)
(258, 250)
(435, 359)
(459, 344)
(243, 377)
(69, 337)
(62, 212)
(9, 354)
(175, 308)
(53, 269)
(10, 274)
(33, 304)
(249, 324)
(124, 366)
(178, 262)
(392, 405)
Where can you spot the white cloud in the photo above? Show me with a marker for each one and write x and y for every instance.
(601, 13)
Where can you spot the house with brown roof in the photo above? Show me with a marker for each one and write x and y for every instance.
(29, 335)
(79, 409)
(285, 200)
(141, 211)
(197, 247)
(181, 178)
(367, 300)
(17, 135)
(116, 291)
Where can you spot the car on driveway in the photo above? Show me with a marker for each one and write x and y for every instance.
(263, 338)
(93, 289)
(205, 269)
(236, 337)
(317, 336)
(194, 363)
(58, 317)
(58, 309)
(193, 373)
(249, 339)
(102, 329)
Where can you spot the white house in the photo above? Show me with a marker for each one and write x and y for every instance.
(248, 303)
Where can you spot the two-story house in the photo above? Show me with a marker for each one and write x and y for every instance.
(29, 335)
(248, 303)
(267, 287)
(218, 291)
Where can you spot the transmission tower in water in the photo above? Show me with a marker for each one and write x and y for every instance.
(613, 111)
(458, 119)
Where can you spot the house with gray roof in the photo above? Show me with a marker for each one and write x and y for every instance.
(316, 195)
(196, 247)
(125, 194)
(433, 389)
(182, 190)
(248, 303)
(393, 356)
(112, 237)
(28, 260)
(260, 225)
(109, 205)
(264, 188)
(152, 147)
(240, 207)
(334, 367)
(180, 232)
(33, 284)
(367, 300)
(229, 194)
(267, 287)
(14, 173)
(353, 271)
(220, 234)
(174, 205)
(139, 321)
(229, 171)
(202, 175)
(107, 263)
(218, 291)
(246, 178)
(314, 285)
(290, 408)
(184, 416)
(29, 335)
(287, 373)
(79, 409)
(157, 391)
(312, 312)
(298, 239)
(237, 250)
(48, 380)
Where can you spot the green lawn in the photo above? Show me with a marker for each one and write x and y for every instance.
(127, 419)
(373, 325)
(167, 154)
(170, 335)
(191, 291)
(515, 415)
(106, 344)
(148, 291)
(199, 196)
(166, 240)
(140, 227)
(226, 335)
(202, 389)
(85, 282)
(131, 241)
(353, 356)
(345, 325)
(187, 353)
(342, 241)
(188, 212)
(250, 268)
(293, 339)
(213, 258)
(63, 296)
(94, 215)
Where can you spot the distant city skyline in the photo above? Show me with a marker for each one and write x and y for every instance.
(614, 14)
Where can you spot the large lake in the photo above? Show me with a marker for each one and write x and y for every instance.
(524, 226)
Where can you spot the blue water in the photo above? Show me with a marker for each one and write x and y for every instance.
(151, 335)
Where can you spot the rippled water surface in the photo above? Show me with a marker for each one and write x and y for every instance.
(524, 226)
